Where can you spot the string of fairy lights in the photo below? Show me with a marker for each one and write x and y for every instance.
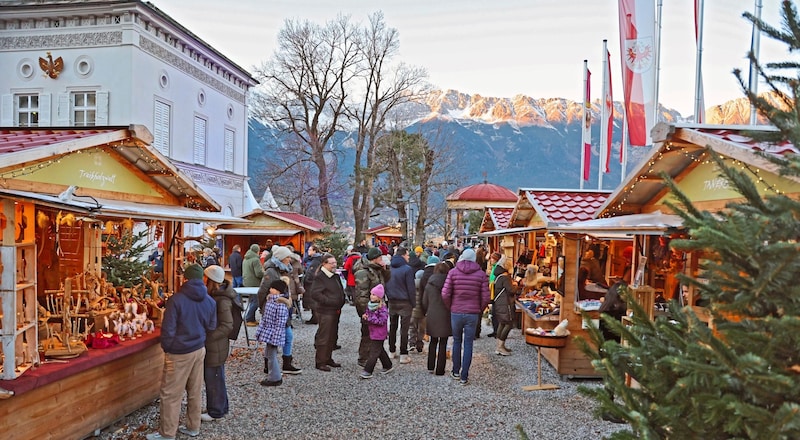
(155, 165)
(696, 155)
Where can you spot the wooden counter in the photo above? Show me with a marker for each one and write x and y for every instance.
(51, 403)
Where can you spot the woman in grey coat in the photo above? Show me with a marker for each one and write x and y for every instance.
(438, 319)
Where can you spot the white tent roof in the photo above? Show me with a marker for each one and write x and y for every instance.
(653, 223)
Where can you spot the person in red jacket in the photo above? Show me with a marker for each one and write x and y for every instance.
(466, 294)
(349, 260)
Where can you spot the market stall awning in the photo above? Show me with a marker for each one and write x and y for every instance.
(653, 223)
(508, 231)
(260, 232)
(117, 208)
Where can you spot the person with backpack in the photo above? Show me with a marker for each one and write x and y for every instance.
(218, 343)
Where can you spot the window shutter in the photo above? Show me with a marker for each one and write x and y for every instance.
(63, 110)
(199, 141)
(7, 111)
(44, 110)
(101, 117)
(161, 128)
(229, 138)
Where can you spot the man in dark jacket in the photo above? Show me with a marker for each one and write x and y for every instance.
(235, 264)
(190, 314)
(466, 294)
(312, 263)
(369, 272)
(328, 296)
(401, 294)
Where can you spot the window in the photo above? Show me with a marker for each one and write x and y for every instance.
(199, 140)
(161, 125)
(229, 137)
(27, 110)
(84, 109)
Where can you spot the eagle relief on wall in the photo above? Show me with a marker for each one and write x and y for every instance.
(51, 67)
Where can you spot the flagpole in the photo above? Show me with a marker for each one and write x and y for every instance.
(699, 110)
(658, 63)
(583, 122)
(603, 116)
(623, 153)
(755, 43)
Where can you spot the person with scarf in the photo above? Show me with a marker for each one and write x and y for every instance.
(279, 265)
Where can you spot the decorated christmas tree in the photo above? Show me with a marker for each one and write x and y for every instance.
(740, 376)
(125, 260)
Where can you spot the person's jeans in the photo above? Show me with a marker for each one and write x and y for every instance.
(252, 306)
(288, 341)
(216, 392)
(237, 282)
(463, 325)
(271, 355)
(399, 311)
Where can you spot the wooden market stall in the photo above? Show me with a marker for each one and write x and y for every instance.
(273, 226)
(635, 226)
(383, 234)
(529, 232)
(66, 193)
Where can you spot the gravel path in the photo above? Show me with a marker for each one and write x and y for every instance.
(408, 403)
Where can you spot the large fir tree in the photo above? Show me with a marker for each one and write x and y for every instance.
(741, 378)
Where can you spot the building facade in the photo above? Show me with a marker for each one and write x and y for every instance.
(119, 63)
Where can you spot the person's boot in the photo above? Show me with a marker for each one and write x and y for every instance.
(288, 368)
(506, 347)
(266, 366)
(500, 349)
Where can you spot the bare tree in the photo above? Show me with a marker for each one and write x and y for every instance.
(305, 89)
(383, 90)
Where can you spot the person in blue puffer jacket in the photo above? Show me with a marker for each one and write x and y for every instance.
(190, 314)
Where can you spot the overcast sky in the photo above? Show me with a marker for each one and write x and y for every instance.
(503, 48)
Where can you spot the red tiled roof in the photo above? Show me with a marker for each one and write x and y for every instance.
(484, 192)
(567, 206)
(13, 140)
(298, 219)
(735, 136)
(500, 216)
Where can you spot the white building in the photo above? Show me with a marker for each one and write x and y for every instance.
(116, 63)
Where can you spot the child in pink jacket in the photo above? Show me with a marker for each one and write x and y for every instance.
(376, 316)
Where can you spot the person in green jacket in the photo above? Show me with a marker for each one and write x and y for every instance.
(252, 272)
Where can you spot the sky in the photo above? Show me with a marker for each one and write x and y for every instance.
(503, 48)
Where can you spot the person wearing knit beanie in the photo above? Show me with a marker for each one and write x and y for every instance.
(193, 272)
(467, 255)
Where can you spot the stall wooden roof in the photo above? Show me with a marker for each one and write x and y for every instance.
(679, 150)
(549, 207)
(28, 153)
(495, 217)
(265, 218)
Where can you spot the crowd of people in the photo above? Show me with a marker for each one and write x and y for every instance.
(406, 296)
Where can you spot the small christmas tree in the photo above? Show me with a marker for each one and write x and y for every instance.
(125, 260)
(741, 377)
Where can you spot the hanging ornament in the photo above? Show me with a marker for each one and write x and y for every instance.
(109, 227)
(127, 224)
(42, 220)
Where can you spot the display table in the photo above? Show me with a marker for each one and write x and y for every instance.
(85, 394)
(249, 294)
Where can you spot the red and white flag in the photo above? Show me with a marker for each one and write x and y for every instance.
(639, 57)
(587, 125)
(607, 126)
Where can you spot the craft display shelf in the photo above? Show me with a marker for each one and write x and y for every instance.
(19, 331)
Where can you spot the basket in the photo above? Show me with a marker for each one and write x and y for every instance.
(546, 341)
